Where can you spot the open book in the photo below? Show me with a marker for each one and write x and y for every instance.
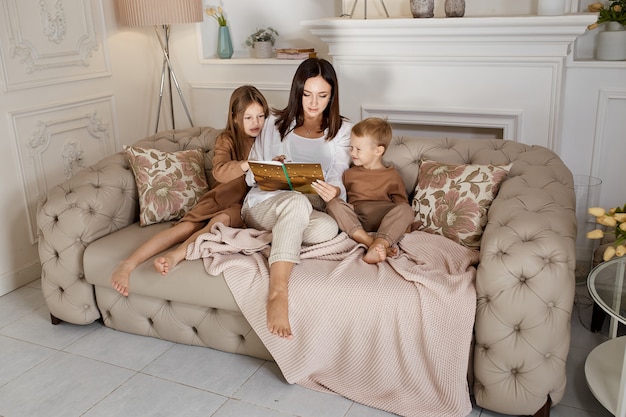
(275, 175)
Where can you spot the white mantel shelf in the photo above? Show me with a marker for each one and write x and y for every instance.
(468, 36)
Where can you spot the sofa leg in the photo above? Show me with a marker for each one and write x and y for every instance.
(55, 320)
(545, 410)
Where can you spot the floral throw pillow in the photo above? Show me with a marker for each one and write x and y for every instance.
(169, 183)
(453, 200)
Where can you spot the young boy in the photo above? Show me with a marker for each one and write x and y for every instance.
(377, 200)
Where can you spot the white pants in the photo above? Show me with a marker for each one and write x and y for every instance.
(293, 222)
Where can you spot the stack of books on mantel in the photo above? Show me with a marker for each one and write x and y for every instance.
(296, 53)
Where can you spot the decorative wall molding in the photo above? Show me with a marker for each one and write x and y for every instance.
(54, 142)
(51, 41)
(610, 126)
(508, 122)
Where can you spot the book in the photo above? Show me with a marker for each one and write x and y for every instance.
(295, 53)
(296, 176)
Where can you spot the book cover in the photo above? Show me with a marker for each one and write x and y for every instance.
(297, 176)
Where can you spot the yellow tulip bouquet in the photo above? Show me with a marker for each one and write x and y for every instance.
(615, 218)
(218, 15)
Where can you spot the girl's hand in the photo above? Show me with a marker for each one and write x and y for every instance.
(280, 158)
(325, 190)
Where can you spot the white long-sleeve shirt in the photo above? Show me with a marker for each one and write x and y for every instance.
(268, 145)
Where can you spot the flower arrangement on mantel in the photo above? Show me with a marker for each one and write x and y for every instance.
(615, 12)
(218, 15)
(267, 34)
(615, 218)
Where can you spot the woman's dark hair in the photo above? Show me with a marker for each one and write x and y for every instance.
(331, 119)
(240, 99)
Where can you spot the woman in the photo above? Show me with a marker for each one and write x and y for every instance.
(309, 129)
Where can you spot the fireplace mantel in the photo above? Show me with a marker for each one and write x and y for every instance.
(492, 72)
(507, 36)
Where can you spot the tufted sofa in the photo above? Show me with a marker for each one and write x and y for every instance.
(525, 278)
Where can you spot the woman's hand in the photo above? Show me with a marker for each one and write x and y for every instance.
(245, 166)
(325, 190)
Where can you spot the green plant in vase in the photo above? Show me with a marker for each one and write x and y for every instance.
(262, 41)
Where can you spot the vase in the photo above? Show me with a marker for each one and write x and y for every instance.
(550, 7)
(262, 50)
(611, 44)
(454, 8)
(224, 43)
(423, 8)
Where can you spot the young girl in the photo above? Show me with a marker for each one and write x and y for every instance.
(246, 117)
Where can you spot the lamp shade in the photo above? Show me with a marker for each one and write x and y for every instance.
(158, 12)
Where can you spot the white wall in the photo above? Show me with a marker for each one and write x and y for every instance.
(120, 83)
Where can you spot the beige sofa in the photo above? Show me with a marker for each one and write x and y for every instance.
(525, 279)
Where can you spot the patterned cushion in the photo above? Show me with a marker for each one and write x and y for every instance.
(453, 200)
(169, 184)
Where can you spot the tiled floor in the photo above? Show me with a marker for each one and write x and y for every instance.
(92, 371)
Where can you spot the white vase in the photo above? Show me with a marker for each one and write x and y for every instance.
(611, 44)
(262, 50)
(550, 7)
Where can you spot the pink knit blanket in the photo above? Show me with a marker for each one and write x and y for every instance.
(394, 336)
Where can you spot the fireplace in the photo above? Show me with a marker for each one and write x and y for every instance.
(496, 77)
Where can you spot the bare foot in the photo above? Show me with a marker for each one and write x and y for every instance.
(120, 278)
(164, 263)
(278, 316)
(375, 254)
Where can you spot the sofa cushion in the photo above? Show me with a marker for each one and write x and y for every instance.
(188, 282)
(169, 183)
(453, 200)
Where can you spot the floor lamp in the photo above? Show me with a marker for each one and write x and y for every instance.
(162, 14)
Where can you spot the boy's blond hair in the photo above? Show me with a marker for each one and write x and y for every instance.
(375, 128)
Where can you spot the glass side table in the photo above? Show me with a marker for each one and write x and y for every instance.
(605, 367)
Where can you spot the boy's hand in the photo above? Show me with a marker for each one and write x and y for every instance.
(325, 190)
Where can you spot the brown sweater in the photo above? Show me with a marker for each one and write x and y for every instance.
(364, 185)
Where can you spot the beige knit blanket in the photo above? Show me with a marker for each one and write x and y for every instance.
(394, 336)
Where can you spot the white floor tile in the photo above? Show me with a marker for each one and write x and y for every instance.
(236, 408)
(19, 303)
(203, 368)
(64, 385)
(119, 348)
(36, 328)
(267, 387)
(146, 395)
(359, 410)
(18, 357)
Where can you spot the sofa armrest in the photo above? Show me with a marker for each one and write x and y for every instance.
(93, 203)
(525, 287)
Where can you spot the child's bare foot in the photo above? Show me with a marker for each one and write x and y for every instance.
(120, 278)
(391, 252)
(278, 316)
(163, 264)
(375, 254)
